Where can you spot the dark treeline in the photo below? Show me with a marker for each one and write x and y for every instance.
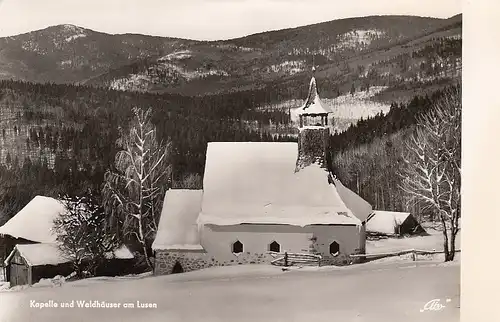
(399, 116)
(368, 157)
(62, 138)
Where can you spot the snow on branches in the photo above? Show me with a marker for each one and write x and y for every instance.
(133, 191)
(82, 234)
(432, 172)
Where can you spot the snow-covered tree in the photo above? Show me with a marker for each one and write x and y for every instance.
(432, 172)
(133, 191)
(82, 234)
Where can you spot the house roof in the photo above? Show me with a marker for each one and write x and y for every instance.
(313, 104)
(385, 222)
(178, 228)
(49, 254)
(360, 207)
(256, 182)
(35, 221)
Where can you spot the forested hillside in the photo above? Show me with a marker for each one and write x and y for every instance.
(60, 135)
(368, 157)
(62, 138)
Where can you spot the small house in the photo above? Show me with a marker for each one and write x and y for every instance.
(29, 250)
(260, 199)
(32, 224)
(393, 223)
(28, 263)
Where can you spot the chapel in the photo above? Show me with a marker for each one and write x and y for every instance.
(262, 199)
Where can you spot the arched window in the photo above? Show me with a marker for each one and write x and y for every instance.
(237, 247)
(274, 247)
(334, 248)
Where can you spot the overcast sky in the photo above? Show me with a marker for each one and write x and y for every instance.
(201, 19)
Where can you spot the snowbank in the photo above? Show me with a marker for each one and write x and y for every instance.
(4, 286)
(61, 281)
(50, 282)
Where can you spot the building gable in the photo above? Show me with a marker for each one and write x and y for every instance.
(178, 228)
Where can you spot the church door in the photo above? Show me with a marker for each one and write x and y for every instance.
(177, 268)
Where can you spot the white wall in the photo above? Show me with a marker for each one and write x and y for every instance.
(349, 238)
(218, 240)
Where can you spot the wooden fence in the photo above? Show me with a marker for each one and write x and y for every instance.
(414, 252)
(291, 259)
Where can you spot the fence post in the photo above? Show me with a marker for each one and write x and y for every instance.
(414, 255)
(286, 259)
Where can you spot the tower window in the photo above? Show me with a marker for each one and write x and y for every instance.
(237, 247)
(334, 248)
(274, 247)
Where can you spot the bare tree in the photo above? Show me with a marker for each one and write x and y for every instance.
(82, 236)
(133, 192)
(432, 172)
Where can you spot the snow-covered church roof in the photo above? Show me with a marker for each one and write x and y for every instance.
(35, 221)
(178, 228)
(313, 104)
(360, 207)
(256, 182)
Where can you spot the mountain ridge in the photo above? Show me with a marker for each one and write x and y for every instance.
(45, 55)
(459, 15)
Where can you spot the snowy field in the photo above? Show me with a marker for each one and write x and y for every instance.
(345, 109)
(365, 292)
(432, 242)
(389, 289)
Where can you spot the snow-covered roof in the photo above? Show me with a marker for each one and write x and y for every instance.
(41, 254)
(314, 104)
(178, 228)
(35, 221)
(121, 252)
(359, 207)
(385, 222)
(256, 182)
(49, 254)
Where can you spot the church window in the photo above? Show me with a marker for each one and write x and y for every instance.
(237, 247)
(334, 248)
(274, 247)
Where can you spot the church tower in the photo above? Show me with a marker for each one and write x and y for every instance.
(313, 130)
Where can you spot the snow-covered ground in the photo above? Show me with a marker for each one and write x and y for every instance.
(346, 108)
(390, 289)
(73, 37)
(366, 292)
(434, 241)
(290, 67)
(143, 80)
(354, 38)
(177, 55)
